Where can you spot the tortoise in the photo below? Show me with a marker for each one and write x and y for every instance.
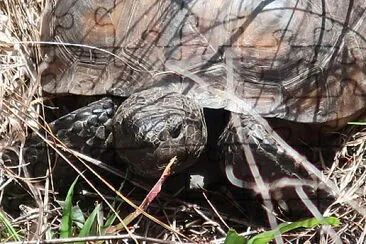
(296, 60)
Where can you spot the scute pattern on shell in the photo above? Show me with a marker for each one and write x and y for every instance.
(299, 60)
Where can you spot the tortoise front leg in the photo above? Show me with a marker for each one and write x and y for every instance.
(272, 159)
(254, 158)
(87, 130)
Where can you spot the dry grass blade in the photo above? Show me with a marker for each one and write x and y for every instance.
(155, 190)
(18, 85)
(18, 88)
(18, 37)
(21, 106)
(349, 174)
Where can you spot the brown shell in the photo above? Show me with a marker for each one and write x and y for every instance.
(293, 59)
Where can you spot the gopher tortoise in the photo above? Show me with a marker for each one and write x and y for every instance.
(296, 60)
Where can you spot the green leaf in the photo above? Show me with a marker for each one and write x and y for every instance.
(77, 214)
(50, 234)
(108, 223)
(78, 218)
(356, 123)
(11, 231)
(88, 223)
(267, 236)
(66, 221)
(233, 238)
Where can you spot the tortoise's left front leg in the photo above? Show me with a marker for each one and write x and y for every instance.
(270, 157)
(254, 155)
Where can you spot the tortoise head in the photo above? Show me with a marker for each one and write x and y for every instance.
(153, 126)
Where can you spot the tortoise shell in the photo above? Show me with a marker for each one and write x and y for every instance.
(300, 60)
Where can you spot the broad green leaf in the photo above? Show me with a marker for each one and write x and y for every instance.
(66, 221)
(233, 238)
(77, 216)
(267, 236)
(85, 231)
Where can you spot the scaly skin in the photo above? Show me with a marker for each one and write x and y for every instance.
(153, 126)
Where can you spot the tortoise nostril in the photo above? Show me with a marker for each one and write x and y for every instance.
(175, 132)
(163, 136)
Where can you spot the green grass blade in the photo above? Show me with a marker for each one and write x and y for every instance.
(78, 218)
(66, 221)
(267, 236)
(356, 123)
(233, 238)
(12, 232)
(108, 223)
(85, 231)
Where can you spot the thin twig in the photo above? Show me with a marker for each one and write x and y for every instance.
(216, 212)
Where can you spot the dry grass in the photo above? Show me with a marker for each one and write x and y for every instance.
(349, 174)
(21, 104)
(21, 108)
(18, 23)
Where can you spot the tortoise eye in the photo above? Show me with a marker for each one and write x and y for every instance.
(175, 132)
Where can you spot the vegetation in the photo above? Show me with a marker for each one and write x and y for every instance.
(32, 210)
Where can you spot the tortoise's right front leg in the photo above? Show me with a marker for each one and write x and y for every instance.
(87, 130)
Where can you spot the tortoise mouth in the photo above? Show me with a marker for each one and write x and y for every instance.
(153, 126)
